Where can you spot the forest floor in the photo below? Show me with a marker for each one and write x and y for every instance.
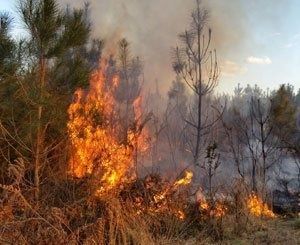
(283, 231)
(278, 231)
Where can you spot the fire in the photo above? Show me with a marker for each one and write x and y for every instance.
(218, 210)
(204, 205)
(258, 208)
(100, 151)
(155, 196)
(181, 214)
(96, 150)
(161, 197)
(185, 180)
(212, 208)
(139, 134)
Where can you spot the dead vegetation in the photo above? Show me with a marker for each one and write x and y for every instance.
(135, 216)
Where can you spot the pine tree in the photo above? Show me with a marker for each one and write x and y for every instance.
(52, 34)
(284, 110)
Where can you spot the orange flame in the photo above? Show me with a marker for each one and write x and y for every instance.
(185, 180)
(258, 208)
(95, 148)
(218, 210)
(160, 203)
(215, 209)
(160, 198)
(141, 138)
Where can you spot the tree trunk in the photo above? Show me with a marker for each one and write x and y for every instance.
(254, 187)
(39, 134)
(199, 125)
(264, 156)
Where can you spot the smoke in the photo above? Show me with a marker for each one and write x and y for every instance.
(152, 28)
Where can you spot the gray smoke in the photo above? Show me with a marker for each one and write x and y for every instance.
(152, 28)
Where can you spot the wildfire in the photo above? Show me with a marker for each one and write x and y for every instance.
(138, 134)
(218, 210)
(161, 197)
(204, 205)
(212, 208)
(99, 152)
(185, 180)
(258, 208)
(154, 196)
(96, 150)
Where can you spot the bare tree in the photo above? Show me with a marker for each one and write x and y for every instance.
(197, 65)
(251, 139)
(261, 114)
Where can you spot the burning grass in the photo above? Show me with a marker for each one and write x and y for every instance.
(258, 208)
(153, 195)
(143, 212)
(213, 208)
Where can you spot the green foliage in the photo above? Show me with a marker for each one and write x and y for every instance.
(7, 47)
(59, 38)
(283, 112)
(53, 31)
(284, 119)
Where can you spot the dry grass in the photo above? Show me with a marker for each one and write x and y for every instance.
(68, 215)
(85, 222)
(110, 222)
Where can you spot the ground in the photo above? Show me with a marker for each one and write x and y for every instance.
(278, 231)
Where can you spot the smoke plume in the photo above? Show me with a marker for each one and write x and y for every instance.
(152, 27)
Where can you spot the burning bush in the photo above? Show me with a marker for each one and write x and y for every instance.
(153, 195)
(258, 208)
(96, 148)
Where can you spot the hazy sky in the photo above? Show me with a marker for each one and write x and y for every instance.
(258, 41)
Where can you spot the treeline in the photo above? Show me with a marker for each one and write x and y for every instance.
(251, 135)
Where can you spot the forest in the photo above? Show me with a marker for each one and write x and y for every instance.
(90, 155)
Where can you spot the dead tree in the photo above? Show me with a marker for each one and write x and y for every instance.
(251, 138)
(196, 64)
(268, 144)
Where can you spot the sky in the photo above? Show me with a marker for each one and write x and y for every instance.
(258, 41)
